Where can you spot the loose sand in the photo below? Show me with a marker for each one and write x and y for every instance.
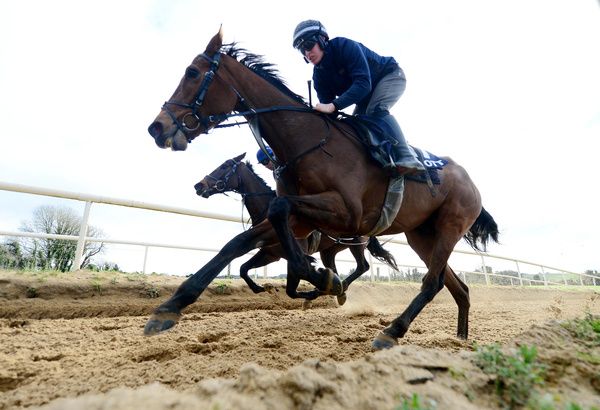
(74, 341)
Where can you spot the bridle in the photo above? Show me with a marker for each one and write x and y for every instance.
(216, 119)
(220, 184)
(198, 101)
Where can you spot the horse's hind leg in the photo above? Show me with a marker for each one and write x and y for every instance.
(434, 249)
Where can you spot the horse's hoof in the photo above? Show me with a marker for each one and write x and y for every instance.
(341, 299)
(159, 322)
(306, 304)
(333, 283)
(383, 341)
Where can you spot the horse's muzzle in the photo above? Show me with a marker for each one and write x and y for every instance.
(177, 142)
(202, 190)
(156, 131)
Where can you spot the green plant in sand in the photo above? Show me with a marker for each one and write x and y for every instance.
(516, 375)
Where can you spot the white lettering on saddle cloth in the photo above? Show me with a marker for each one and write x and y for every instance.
(433, 164)
(432, 161)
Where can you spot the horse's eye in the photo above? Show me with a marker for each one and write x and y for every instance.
(192, 73)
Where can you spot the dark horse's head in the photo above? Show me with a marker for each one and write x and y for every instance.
(222, 179)
(195, 105)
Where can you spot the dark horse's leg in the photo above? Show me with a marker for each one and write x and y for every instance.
(434, 246)
(167, 314)
(262, 258)
(357, 248)
(299, 267)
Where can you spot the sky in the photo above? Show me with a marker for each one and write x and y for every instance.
(510, 90)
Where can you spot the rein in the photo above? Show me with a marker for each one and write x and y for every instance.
(216, 119)
(221, 186)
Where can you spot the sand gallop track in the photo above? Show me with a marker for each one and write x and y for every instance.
(69, 335)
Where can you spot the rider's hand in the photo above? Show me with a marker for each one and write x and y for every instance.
(325, 108)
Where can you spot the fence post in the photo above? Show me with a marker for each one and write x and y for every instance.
(484, 270)
(371, 267)
(544, 274)
(265, 271)
(82, 234)
(145, 258)
(519, 273)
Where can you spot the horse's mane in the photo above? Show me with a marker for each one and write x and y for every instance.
(265, 70)
(258, 177)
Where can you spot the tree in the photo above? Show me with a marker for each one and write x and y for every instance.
(11, 256)
(58, 254)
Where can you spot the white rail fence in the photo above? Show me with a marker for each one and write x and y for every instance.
(484, 273)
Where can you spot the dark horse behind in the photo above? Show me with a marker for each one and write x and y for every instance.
(326, 181)
(234, 175)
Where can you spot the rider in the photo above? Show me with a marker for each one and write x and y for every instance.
(346, 72)
(263, 159)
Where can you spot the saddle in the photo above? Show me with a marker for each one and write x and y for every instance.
(378, 137)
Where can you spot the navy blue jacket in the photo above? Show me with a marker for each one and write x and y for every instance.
(349, 71)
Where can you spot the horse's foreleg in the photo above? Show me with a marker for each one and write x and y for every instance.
(262, 258)
(326, 281)
(358, 251)
(167, 314)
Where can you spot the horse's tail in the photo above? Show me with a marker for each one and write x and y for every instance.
(374, 246)
(482, 230)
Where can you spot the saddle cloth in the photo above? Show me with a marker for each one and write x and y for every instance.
(376, 135)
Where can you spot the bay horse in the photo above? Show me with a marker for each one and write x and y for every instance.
(326, 181)
(234, 175)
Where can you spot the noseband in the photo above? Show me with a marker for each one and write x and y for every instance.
(220, 184)
(198, 101)
(216, 119)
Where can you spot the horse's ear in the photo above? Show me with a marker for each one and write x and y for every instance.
(215, 43)
(240, 157)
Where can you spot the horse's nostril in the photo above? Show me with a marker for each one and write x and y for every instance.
(155, 129)
(199, 187)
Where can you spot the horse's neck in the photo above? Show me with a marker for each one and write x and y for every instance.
(259, 93)
(256, 193)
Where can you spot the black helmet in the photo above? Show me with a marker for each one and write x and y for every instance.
(310, 30)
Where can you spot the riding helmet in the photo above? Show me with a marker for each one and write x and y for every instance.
(262, 157)
(307, 29)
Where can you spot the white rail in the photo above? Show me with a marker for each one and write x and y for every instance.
(90, 199)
